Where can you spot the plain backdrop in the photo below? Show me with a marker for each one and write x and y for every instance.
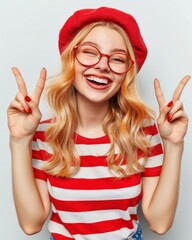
(28, 40)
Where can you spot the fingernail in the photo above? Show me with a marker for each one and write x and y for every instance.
(168, 117)
(25, 111)
(29, 110)
(170, 104)
(27, 98)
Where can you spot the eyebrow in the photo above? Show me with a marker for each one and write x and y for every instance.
(97, 46)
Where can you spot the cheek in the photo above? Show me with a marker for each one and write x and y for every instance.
(78, 67)
(77, 75)
(119, 81)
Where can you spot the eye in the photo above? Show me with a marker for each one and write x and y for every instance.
(118, 58)
(89, 51)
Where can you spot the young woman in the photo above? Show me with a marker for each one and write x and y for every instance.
(100, 154)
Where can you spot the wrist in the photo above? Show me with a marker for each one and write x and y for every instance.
(20, 141)
(173, 146)
(21, 150)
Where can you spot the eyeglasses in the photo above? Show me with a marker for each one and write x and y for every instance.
(89, 56)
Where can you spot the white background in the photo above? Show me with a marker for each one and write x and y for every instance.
(28, 40)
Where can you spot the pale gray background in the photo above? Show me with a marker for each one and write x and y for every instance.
(28, 40)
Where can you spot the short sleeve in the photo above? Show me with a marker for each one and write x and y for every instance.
(154, 161)
(40, 152)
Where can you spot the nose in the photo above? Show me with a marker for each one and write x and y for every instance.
(103, 64)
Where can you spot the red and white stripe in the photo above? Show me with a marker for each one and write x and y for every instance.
(93, 204)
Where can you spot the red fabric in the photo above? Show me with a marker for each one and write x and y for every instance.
(93, 197)
(83, 17)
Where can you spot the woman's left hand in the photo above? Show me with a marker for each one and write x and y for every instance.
(172, 121)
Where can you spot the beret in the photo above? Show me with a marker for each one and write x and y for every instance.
(83, 17)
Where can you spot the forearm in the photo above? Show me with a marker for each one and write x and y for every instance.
(163, 204)
(29, 206)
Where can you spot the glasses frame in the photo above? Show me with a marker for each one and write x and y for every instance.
(102, 55)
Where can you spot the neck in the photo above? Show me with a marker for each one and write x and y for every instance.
(91, 117)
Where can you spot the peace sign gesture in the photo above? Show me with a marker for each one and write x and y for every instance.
(23, 112)
(172, 120)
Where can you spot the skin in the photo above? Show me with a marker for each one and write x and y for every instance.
(160, 194)
(92, 99)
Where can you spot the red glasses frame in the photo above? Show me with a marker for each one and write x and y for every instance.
(100, 56)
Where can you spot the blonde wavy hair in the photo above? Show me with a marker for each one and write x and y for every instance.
(123, 123)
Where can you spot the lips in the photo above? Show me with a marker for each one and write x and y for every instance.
(98, 80)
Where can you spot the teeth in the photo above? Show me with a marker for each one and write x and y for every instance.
(98, 80)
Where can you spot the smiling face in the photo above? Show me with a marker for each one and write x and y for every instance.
(98, 83)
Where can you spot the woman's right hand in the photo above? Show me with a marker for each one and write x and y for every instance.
(23, 112)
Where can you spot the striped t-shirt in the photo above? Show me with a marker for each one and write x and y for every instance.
(93, 204)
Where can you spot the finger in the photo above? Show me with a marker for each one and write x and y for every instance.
(20, 81)
(164, 113)
(178, 115)
(20, 98)
(178, 105)
(39, 86)
(178, 91)
(15, 105)
(176, 110)
(34, 110)
(159, 94)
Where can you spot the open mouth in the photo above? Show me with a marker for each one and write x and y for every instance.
(97, 81)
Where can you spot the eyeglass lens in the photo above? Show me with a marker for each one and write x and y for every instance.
(90, 56)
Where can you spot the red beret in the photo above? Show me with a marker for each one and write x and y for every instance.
(83, 17)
